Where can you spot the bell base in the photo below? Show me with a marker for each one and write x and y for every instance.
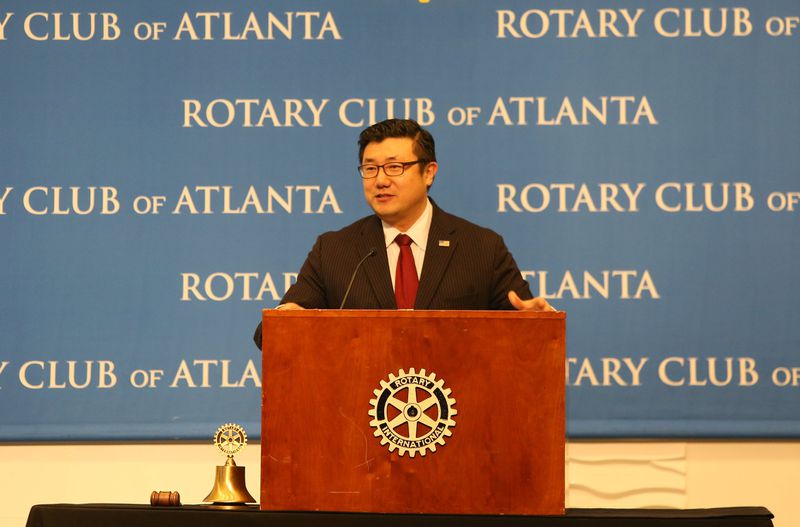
(230, 507)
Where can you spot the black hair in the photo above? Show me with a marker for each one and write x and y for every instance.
(424, 146)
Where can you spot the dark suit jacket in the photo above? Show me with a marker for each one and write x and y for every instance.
(466, 267)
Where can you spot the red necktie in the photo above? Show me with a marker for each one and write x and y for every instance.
(405, 280)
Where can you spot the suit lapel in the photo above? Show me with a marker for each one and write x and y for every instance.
(441, 246)
(376, 268)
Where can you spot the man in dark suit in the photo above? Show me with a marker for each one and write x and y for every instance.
(410, 253)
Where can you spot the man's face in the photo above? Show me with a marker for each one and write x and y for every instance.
(399, 200)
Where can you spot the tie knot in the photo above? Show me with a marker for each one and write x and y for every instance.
(403, 240)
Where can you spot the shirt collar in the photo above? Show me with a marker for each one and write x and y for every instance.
(418, 232)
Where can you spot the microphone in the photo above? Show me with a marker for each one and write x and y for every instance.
(352, 278)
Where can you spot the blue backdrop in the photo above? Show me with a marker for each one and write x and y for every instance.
(166, 167)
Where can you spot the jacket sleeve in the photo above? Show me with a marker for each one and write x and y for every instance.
(310, 290)
(506, 277)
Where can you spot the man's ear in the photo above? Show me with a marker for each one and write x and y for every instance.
(430, 173)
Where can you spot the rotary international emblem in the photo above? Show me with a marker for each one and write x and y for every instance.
(230, 439)
(412, 412)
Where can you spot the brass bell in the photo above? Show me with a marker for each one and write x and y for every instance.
(230, 487)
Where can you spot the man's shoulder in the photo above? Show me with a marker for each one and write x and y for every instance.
(441, 220)
(462, 225)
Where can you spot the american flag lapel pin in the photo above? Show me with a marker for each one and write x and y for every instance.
(444, 243)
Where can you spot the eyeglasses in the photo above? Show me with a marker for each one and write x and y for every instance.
(393, 169)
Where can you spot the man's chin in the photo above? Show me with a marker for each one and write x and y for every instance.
(385, 213)
(382, 208)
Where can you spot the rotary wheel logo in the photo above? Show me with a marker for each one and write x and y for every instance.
(230, 438)
(413, 412)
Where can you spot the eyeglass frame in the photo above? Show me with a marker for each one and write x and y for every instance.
(404, 164)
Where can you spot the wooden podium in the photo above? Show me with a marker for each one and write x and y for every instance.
(479, 431)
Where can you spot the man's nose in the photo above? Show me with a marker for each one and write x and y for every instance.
(382, 180)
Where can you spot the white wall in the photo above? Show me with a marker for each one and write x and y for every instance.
(686, 475)
(599, 474)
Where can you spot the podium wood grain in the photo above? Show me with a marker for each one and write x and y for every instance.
(506, 373)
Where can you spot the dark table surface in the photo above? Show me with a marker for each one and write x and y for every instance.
(121, 515)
